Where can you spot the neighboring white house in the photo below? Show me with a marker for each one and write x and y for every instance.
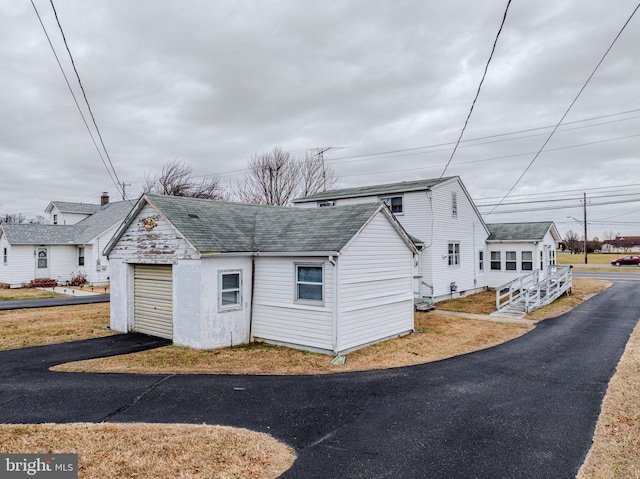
(210, 274)
(62, 251)
(66, 213)
(442, 215)
(517, 249)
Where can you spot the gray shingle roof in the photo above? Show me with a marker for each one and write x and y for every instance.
(104, 218)
(217, 226)
(40, 234)
(67, 207)
(82, 232)
(518, 231)
(386, 189)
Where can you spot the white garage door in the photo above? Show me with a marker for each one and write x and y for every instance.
(153, 300)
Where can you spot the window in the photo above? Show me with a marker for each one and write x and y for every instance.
(309, 283)
(510, 263)
(495, 261)
(394, 203)
(541, 261)
(454, 204)
(81, 256)
(42, 258)
(324, 203)
(527, 261)
(5, 256)
(454, 254)
(481, 260)
(55, 219)
(230, 293)
(552, 257)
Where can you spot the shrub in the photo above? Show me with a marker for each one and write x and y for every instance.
(78, 279)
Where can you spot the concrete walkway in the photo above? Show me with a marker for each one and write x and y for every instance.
(524, 409)
(497, 317)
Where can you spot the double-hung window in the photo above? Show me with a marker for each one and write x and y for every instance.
(81, 256)
(510, 261)
(309, 282)
(394, 203)
(495, 261)
(481, 260)
(527, 261)
(454, 254)
(230, 292)
(454, 204)
(5, 256)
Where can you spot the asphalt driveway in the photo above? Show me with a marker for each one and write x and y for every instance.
(524, 409)
(51, 302)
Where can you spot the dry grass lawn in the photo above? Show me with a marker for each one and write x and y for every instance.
(616, 446)
(22, 328)
(592, 258)
(25, 293)
(153, 450)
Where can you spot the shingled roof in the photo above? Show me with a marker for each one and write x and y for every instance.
(104, 218)
(68, 207)
(379, 190)
(224, 227)
(534, 231)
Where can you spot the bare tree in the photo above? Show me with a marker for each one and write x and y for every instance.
(38, 220)
(276, 178)
(572, 241)
(13, 218)
(176, 179)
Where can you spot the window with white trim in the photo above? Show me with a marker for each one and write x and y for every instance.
(325, 203)
(55, 219)
(510, 261)
(527, 261)
(454, 254)
(454, 204)
(80, 255)
(394, 203)
(495, 261)
(230, 290)
(552, 257)
(5, 256)
(541, 261)
(309, 282)
(481, 260)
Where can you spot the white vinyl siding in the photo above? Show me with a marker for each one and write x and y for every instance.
(153, 300)
(278, 317)
(375, 290)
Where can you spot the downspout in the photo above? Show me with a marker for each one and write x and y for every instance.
(253, 282)
(473, 256)
(335, 304)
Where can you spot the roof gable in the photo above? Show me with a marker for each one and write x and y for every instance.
(68, 207)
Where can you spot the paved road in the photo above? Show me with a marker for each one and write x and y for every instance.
(50, 302)
(613, 275)
(525, 409)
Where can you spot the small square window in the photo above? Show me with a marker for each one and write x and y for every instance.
(309, 283)
(230, 290)
(394, 203)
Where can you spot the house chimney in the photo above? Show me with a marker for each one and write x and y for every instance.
(104, 199)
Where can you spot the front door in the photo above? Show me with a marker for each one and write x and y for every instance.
(42, 262)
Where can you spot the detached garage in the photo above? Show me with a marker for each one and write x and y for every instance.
(210, 274)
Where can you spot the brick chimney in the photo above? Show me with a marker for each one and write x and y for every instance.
(104, 199)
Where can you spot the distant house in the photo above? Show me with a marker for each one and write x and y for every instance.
(517, 249)
(210, 274)
(622, 244)
(64, 250)
(441, 213)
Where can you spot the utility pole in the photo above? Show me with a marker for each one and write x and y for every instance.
(124, 186)
(320, 153)
(584, 207)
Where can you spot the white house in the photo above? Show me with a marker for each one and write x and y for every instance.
(60, 251)
(210, 274)
(517, 249)
(441, 213)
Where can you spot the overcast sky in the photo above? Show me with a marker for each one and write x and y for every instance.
(212, 83)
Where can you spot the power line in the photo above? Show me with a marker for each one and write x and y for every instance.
(73, 95)
(84, 94)
(632, 185)
(486, 68)
(570, 106)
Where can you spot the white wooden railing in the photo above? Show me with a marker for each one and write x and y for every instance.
(424, 293)
(528, 293)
